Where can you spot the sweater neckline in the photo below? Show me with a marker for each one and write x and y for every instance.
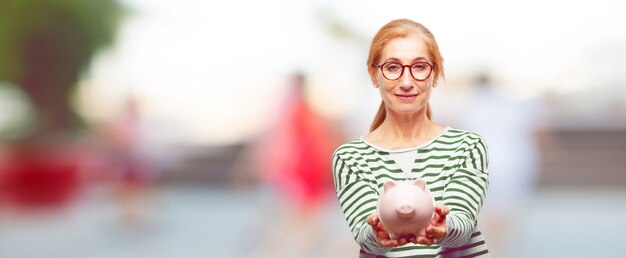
(445, 130)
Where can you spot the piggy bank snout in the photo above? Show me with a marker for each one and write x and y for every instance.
(406, 210)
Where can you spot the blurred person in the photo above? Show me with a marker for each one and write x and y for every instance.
(133, 172)
(291, 162)
(404, 143)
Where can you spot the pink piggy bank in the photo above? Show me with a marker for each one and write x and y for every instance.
(405, 208)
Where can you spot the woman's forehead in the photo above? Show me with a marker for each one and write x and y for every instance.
(405, 49)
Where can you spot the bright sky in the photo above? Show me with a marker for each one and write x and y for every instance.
(211, 73)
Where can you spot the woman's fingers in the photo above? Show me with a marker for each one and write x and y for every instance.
(422, 240)
(389, 242)
(372, 219)
(436, 232)
(441, 213)
(380, 226)
(442, 210)
(382, 235)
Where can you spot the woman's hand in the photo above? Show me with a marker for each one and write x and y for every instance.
(382, 235)
(438, 229)
(435, 231)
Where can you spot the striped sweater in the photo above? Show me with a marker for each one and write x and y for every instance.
(454, 166)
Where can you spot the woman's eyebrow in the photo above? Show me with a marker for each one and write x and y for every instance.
(414, 60)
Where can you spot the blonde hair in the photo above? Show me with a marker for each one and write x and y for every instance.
(398, 29)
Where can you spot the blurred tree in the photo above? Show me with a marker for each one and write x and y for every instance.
(45, 45)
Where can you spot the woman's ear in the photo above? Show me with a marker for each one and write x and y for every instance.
(374, 80)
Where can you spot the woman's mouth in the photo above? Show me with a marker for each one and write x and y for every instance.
(406, 97)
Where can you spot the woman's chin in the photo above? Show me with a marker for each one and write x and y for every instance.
(406, 110)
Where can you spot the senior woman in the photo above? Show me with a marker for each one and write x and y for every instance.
(404, 143)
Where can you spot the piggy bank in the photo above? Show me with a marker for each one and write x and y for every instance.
(405, 208)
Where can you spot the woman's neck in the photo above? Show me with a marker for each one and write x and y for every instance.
(406, 127)
(399, 131)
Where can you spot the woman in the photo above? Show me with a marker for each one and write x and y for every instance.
(404, 63)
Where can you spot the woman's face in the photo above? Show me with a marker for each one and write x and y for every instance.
(405, 95)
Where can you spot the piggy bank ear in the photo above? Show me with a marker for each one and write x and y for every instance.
(389, 185)
(420, 183)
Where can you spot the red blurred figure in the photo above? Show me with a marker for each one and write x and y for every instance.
(294, 154)
(291, 160)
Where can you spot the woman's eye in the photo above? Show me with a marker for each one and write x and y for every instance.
(419, 67)
(393, 68)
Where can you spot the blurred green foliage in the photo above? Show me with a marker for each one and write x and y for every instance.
(46, 44)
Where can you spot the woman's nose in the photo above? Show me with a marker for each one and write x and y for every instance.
(406, 80)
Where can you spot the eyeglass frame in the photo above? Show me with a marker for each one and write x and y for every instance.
(432, 66)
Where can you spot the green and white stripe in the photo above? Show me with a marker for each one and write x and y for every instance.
(454, 167)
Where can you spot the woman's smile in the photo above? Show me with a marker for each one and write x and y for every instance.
(406, 97)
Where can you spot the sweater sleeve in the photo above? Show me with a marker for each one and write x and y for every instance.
(357, 199)
(464, 194)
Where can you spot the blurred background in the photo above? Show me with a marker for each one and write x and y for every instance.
(152, 128)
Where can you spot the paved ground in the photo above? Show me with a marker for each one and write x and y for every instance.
(196, 222)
